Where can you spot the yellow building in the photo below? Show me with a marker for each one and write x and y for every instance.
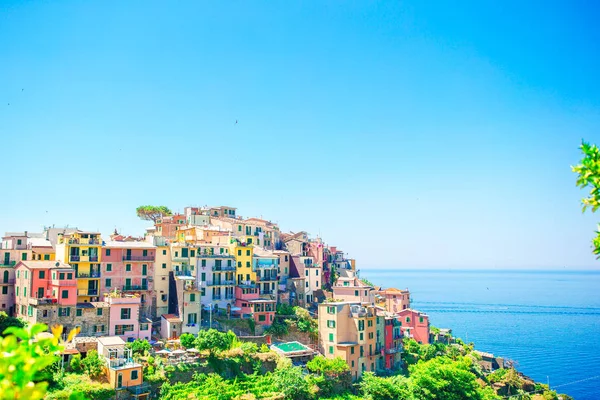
(82, 251)
(243, 251)
(349, 330)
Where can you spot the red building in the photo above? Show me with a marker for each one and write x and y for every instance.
(415, 324)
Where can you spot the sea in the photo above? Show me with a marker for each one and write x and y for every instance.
(547, 322)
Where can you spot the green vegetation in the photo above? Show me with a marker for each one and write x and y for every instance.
(6, 322)
(139, 347)
(588, 172)
(152, 213)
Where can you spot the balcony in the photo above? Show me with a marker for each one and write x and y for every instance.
(93, 258)
(223, 268)
(191, 286)
(221, 283)
(46, 300)
(138, 258)
(92, 274)
(87, 292)
(5, 263)
(133, 288)
(74, 258)
(184, 272)
(393, 350)
(216, 297)
(7, 282)
(85, 242)
(56, 282)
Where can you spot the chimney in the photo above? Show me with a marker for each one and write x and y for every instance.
(25, 233)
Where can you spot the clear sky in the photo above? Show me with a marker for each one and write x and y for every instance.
(411, 134)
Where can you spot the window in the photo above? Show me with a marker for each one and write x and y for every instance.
(239, 252)
(25, 291)
(330, 323)
(239, 228)
(330, 349)
(46, 257)
(362, 336)
(30, 311)
(192, 253)
(203, 292)
(17, 291)
(192, 297)
(407, 319)
(144, 269)
(42, 274)
(26, 274)
(421, 319)
(261, 318)
(143, 327)
(163, 297)
(128, 267)
(331, 337)
(65, 294)
(134, 374)
(18, 241)
(203, 276)
(330, 310)
(108, 252)
(361, 324)
(98, 311)
(79, 312)
(184, 252)
(306, 284)
(352, 351)
(218, 263)
(24, 256)
(44, 313)
(248, 264)
(306, 272)
(125, 313)
(18, 273)
(108, 283)
(121, 329)
(370, 323)
(69, 276)
(64, 312)
(203, 263)
(192, 318)
(239, 264)
(164, 265)
(370, 335)
(229, 263)
(108, 267)
(356, 293)
(4, 290)
(61, 276)
(164, 252)
(145, 253)
(247, 252)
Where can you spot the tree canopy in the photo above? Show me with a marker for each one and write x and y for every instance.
(6, 322)
(589, 176)
(152, 213)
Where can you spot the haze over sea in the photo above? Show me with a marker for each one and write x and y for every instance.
(546, 321)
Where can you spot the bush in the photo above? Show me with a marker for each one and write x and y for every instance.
(75, 364)
(81, 387)
(92, 365)
(139, 346)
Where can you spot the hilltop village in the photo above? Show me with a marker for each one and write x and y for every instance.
(208, 270)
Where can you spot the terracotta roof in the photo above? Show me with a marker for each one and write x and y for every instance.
(171, 317)
(44, 264)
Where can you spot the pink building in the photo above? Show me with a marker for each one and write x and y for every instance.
(128, 267)
(349, 288)
(394, 300)
(250, 305)
(392, 341)
(125, 320)
(414, 324)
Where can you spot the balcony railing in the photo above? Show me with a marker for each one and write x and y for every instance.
(87, 292)
(7, 282)
(93, 258)
(56, 282)
(139, 389)
(74, 257)
(184, 272)
(138, 258)
(216, 297)
(393, 350)
(131, 288)
(5, 263)
(84, 242)
(92, 274)
(223, 268)
(221, 283)
(45, 300)
(228, 297)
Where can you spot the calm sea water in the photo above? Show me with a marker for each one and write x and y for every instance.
(548, 322)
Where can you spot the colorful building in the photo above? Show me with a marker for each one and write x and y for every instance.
(46, 292)
(216, 276)
(394, 300)
(250, 305)
(128, 267)
(243, 252)
(162, 270)
(266, 265)
(415, 324)
(348, 287)
(348, 330)
(122, 372)
(82, 250)
(125, 319)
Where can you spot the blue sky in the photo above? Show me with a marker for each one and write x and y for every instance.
(434, 135)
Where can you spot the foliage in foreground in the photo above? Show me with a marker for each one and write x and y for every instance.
(588, 172)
